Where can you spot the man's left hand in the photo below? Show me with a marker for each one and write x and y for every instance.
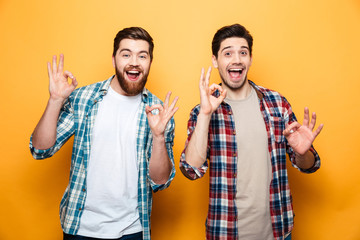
(301, 137)
(159, 121)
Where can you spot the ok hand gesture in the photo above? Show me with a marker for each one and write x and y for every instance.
(209, 103)
(59, 86)
(300, 137)
(159, 121)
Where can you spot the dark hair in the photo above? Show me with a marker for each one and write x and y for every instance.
(235, 30)
(135, 33)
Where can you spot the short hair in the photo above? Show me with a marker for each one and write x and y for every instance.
(135, 33)
(235, 30)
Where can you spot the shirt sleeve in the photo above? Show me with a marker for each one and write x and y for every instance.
(292, 118)
(64, 130)
(189, 171)
(169, 142)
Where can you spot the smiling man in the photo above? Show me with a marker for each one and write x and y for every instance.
(245, 131)
(123, 138)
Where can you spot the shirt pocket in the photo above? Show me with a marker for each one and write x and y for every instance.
(277, 126)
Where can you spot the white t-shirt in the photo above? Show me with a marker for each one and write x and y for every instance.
(111, 206)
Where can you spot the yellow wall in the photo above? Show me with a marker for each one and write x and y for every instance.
(307, 50)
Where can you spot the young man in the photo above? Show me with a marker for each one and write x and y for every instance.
(123, 138)
(245, 131)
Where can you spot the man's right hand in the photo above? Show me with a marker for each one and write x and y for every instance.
(208, 102)
(59, 86)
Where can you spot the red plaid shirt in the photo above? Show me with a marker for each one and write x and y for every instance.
(221, 222)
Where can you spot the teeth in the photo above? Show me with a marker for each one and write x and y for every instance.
(133, 72)
(235, 70)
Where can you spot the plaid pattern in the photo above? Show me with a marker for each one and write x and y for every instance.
(77, 118)
(221, 222)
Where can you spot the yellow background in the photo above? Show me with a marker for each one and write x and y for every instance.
(307, 50)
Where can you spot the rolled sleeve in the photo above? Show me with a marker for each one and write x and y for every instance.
(169, 143)
(187, 170)
(64, 130)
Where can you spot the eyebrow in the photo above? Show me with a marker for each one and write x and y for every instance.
(228, 47)
(126, 49)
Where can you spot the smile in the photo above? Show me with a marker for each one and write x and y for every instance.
(235, 72)
(133, 75)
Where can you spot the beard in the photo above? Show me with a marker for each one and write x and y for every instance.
(131, 88)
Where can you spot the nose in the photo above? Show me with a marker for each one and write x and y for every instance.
(237, 58)
(134, 61)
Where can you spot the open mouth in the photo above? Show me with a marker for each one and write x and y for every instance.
(133, 75)
(235, 72)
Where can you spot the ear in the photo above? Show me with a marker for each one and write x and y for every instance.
(214, 61)
(113, 61)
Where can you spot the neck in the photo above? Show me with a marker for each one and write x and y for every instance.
(239, 93)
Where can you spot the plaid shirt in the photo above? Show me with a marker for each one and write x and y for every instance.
(77, 118)
(221, 222)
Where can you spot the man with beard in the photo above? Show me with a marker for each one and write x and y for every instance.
(123, 138)
(245, 131)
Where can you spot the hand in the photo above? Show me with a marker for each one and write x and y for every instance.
(209, 103)
(301, 137)
(159, 121)
(59, 86)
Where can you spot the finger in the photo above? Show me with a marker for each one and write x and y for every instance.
(207, 79)
(318, 130)
(155, 106)
(306, 117)
(172, 113)
(61, 63)
(54, 64)
(215, 87)
(202, 80)
(68, 74)
(313, 121)
(291, 128)
(222, 95)
(49, 70)
(173, 103)
(167, 98)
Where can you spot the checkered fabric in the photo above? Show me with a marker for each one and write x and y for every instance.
(221, 222)
(77, 118)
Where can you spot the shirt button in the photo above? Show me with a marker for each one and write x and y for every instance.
(234, 132)
(234, 154)
(80, 209)
(230, 112)
(84, 190)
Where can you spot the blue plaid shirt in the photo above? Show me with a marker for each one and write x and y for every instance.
(77, 118)
(221, 222)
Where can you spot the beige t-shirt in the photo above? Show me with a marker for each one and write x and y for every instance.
(253, 170)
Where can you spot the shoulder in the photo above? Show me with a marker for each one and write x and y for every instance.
(151, 98)
(274, 100)
(91, 90)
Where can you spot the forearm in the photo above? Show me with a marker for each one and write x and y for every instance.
(305, 161)
(159, 165)
(44, 135)
(197, 147)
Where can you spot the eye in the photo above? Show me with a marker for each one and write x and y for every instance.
(243, 53)
(227, 54)
(143, 56)
(126, 55)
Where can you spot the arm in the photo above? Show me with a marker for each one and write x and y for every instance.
(196, 148)
(44, 135)
(160, 164)
(301, 137)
